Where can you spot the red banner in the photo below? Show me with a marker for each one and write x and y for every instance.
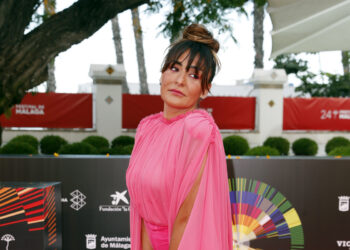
(228, 112)
(316, 114)
(51, 110)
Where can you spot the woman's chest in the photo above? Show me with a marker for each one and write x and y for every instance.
(155, 165)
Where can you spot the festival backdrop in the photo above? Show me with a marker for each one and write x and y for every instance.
(277, 203)
(51, 110)
(331, 114)
(228, 112)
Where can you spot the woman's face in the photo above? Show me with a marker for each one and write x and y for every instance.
(181, 89)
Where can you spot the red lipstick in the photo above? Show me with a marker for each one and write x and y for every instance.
(176, 92)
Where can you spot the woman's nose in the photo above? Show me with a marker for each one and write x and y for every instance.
(181, 77)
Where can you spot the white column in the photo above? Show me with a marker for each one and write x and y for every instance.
(107, 94)
(268, 89)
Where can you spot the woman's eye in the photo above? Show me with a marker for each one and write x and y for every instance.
(173, 69)
(195, 76)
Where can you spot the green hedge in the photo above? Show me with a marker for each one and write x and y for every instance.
(26, 139)
(123, 140)
(235, 145)
(336, 142)
(304, 146)
(342, 151)
(17, 147)
(262, 151)
(50, 144)
(279, 143)
(105, 151)
(99, 142)
(122, 150)
(78, 148)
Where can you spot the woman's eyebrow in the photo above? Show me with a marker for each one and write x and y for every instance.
(193, 67)
(196, 68)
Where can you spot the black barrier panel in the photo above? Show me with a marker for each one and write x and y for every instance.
(94, 198)
(277, 203)
(30, 215)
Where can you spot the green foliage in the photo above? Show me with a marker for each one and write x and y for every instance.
(262, 151)
(332, 85)
(304, 146)
(336, 142)
(328, 85)
(123, 140)
(291, 64)
(342, 151)
(208, 12)
(122, 150)
(260, 2)
(78, 148)
(99, 142)
(104, 151)
(31, 140)
(235, 145)
(18, 147)
(51, 144)
(279, 143)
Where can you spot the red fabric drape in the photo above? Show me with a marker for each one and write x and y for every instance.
(51, 110)
(316, 114)
(228, 112)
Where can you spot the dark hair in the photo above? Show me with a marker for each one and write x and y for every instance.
(198, 41)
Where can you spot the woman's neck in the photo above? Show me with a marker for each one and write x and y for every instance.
(170, 112)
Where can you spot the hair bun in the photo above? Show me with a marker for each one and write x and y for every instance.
(198, 33)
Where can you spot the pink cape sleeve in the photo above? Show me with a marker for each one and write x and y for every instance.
(209, 225)
(135, 229)
(135, 218)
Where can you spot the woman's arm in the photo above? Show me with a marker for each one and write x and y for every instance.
(146, 243)
(185, 211)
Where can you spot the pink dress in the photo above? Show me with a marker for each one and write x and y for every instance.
(164, 164)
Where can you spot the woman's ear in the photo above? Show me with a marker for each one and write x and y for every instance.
(206, 92)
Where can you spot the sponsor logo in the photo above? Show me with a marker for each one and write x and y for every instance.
(118, 197)
(90, 241)
(115, 242)
(342, 114)
(8, 238)
(78, 200)
(30, 109)
(343, 243)
(343, 203)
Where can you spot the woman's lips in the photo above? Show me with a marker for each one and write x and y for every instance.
(176, 92)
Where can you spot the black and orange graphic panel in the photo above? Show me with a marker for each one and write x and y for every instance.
(30, 212)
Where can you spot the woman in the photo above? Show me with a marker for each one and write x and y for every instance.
(177, 176)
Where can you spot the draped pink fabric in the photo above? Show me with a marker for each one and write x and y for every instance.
(164, 164)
